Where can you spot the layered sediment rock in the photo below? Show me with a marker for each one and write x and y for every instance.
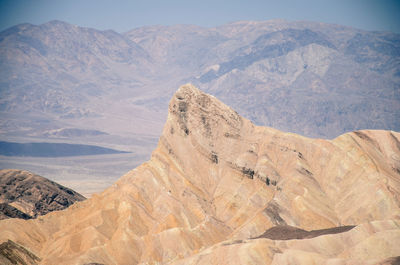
(216, 183)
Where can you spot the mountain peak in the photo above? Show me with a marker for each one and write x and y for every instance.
(187, 89)
(191, 110)
(56, 22)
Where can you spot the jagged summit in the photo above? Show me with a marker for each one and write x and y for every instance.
(193, 110)
(217, 186)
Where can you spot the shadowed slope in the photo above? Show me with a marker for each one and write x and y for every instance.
(285, 232)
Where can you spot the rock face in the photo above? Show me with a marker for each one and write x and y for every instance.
(26, 195)
(220, 190)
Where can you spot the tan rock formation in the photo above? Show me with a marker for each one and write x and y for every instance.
(216, 182)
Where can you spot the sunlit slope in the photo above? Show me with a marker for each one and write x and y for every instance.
(216, 181)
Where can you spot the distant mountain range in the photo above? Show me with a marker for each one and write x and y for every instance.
(315, 79)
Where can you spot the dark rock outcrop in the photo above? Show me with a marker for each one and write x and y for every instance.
(8, 211)
(287, 232)
(26, 195)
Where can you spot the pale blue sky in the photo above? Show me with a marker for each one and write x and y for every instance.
(125, 15)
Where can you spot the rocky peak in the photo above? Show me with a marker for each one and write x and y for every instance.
(195, 112)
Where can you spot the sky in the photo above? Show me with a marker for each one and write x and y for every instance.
(124, 15)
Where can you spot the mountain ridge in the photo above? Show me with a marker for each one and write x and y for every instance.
(209, 47)
(215, 181)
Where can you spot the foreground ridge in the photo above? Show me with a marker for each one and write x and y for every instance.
(216, 182)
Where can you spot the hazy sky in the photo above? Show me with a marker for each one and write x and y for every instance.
(124, 15)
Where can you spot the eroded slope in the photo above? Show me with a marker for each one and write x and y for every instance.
(215, 182)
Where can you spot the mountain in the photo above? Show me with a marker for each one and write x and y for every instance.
(220, 190)
(59, 73)
(316, 79)
(70, 84)
(277, 73)
(26, 195)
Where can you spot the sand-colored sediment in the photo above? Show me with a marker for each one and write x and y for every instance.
(216, 182)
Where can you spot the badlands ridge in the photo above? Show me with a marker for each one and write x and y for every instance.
(220, 190)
